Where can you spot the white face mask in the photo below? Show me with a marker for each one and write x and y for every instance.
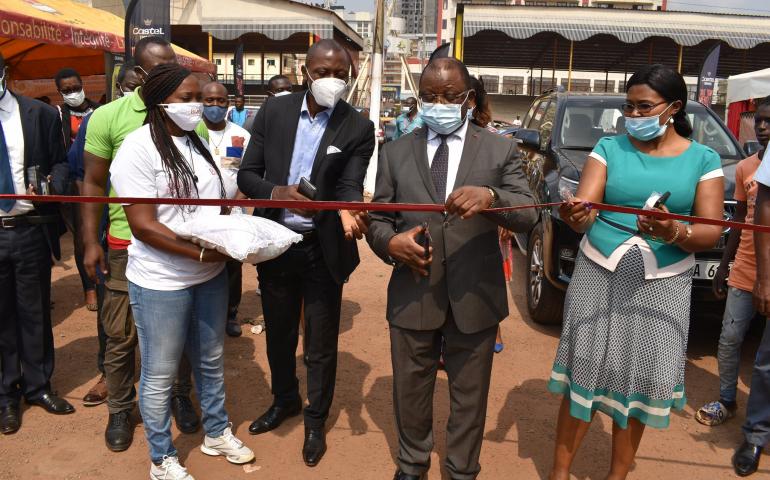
(281, 94)
(327, 91)
(187, 116)
(74, 99)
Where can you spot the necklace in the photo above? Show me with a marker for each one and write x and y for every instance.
(216, 145)
(192, 161)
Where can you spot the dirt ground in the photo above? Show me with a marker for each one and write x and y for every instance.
(520, 425)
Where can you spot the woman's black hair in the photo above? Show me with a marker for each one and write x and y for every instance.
(161, 82)
(482, 114)
(670, 85)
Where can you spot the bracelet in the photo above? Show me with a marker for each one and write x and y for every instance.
(200, 257)
(688, 229)
(493, 194)
(673, 239)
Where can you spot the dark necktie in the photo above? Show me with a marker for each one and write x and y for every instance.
(440, 167)
(6, 174)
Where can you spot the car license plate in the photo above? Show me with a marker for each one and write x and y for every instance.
(705, 270)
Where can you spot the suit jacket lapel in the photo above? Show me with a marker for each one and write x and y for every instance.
(336, 119)
(470, 151)
(27, 129)
(291, 134)
(420, 150)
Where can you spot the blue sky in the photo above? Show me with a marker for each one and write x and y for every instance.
(746, 7)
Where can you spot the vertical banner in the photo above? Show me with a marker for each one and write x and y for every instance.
(708, 76)
(238, 68)
(147, 18)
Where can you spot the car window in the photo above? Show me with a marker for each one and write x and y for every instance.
(530, 114)
(546, 125)
(587, 120)
(537, 116)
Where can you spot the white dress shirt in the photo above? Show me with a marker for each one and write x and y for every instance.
(10, 118)
(455, 142)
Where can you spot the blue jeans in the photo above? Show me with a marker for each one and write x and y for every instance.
(739, 311)
(170, 322)
(757, 426)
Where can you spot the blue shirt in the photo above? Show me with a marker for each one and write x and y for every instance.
(239, 118)
(404, 125)
(309, 133)
(75, 155)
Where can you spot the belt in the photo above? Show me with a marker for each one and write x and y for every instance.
(7, 223)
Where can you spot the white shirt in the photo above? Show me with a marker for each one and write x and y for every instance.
(219, 140)
(10, 118)
(455, 141)
(763, 172)
(137, 171)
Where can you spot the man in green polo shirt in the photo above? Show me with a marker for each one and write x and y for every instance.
(106, 130)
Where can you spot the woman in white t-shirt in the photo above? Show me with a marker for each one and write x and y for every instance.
(178, 290)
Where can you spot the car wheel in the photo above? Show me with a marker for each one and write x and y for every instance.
(544, 301)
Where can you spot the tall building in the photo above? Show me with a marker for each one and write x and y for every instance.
(419, 15)
(361, 22)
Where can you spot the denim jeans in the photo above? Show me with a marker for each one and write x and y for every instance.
(168, 323)
(739, 311)
(757, 426)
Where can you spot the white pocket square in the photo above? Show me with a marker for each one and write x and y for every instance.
(332, 149)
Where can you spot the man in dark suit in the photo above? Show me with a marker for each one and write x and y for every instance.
(456, 289)
(318, 136)
(30, 143)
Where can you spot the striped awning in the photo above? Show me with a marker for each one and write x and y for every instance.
(628, 26)
(276, 29)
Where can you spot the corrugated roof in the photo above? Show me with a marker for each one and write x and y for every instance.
(629, 26)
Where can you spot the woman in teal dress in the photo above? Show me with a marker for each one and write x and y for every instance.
(627, 310)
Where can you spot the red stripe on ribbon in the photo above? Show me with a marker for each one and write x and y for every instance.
(366, 206)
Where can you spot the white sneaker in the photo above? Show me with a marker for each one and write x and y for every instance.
(228, 446)
(170, 469)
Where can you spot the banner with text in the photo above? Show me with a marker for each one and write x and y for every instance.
(151, 18)
(708, 77)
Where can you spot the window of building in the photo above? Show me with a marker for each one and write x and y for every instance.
(251, 62)
(513, 85)
(577, 84)
(443, 23)
(692, 91)
(218, 61)
(491, 83)
(446, 4)
(540, 85)
(601, 86)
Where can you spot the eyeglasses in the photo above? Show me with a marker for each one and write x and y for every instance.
(449, 97)
(644, 108)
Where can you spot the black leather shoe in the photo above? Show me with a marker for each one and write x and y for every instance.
(315, 446)
(53, 404)
(405, 476)
(10, 419)
(274, 417)
(185, 416)
(119, 433)
(746, 459)
(233, 328)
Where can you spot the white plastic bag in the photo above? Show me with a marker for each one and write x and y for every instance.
(245, 238)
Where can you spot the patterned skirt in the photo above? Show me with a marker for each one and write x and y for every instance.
(623, 343)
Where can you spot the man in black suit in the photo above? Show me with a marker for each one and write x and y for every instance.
(30, 142)
(318, 136)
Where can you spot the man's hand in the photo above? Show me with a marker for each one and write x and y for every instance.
(290, 193)
(405, 249)
(719, 284)
(93, 258)
(468, 201)
(762, 297)
(355, 223)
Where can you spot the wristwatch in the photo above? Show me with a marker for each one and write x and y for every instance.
(493, 193)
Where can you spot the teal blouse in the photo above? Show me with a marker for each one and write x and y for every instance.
(632, 176)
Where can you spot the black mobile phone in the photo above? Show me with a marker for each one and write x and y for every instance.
(426, 241)
(306, 188)
(662, 200)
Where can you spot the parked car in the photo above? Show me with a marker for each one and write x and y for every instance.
(557, 134)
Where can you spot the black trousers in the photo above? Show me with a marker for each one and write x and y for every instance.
(26, 338)
(235, 287)
(301, 275)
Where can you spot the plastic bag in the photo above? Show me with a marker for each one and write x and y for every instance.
(245, 238)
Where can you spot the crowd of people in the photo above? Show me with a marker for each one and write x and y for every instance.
(623, 345)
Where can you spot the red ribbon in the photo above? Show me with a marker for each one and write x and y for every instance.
(367, 206)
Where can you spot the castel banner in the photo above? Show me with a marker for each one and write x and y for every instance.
(151, 18)
(238, 68)
(708, 77)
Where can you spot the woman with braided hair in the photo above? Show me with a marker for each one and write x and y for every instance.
(178, 291)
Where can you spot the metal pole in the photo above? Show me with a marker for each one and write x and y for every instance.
(679, 63)
(376, 89)
(569, 74)
(606, 79)
(211, 48)
(553, 67)
(361, 74)
(459, 39)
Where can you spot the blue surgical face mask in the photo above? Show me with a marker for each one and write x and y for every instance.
(647, 128)
(214, 113)
(443, 118)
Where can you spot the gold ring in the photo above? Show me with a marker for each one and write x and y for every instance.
(649, 229)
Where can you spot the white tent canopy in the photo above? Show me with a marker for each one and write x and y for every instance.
(748, 85)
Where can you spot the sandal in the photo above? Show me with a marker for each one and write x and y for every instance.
(91, 306)
(714, 413)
